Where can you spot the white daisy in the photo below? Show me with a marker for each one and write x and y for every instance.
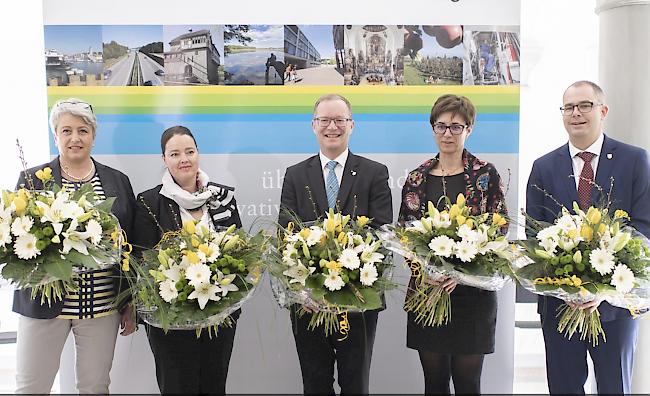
(622, 278)
(25, 247)
(442, 246)
(466, 251)
(368, 274)
(299, 273)
(93, 232)
(602, 261)
(333, 281)
(349, 259)
(204, 292)
(197, 274)
(22, 225)
(167, 290)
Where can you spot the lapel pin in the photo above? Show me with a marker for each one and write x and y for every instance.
(610, 155)
(354, 173)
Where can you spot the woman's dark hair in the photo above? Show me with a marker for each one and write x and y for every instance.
(173, 131)
(456, 105)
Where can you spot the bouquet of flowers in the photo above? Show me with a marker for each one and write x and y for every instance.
(331, 267)
(586, 256)
(450, 244)
(48, 237)
(196, 278)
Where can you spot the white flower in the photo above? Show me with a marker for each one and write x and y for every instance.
(442, 246)
(225, 282)
(167, 290)
(368, 274)
(60, 210)
(25, 247)
(622, 278)
(204, 292)
(74, 239)
(466, 251)
(417, 226)
(551, 232)
(173, 273)
(93, 231)
(349, 259)
(369, 254)
(567, 244)
(549, 245)
(441, 220)
(567, 222)
(22, 225)
(299, 273)
(289, 254)
(197, 274)
(602, 261)
(5, 234)
(315, 235)
(467, 234)
(333, 281)
(498, 247)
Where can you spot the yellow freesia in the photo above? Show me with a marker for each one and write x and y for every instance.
(44, 174)
(593, 215)
(20, 203)
(189, 227)
(333, 265)
(192, 257)
(460, 200)
(454, 211)
(621, 214)
(362, 221)
(460, 219)
(586, 232)
(498, 220)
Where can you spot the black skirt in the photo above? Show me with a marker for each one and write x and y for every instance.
(470, 331)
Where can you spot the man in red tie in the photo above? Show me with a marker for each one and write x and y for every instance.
(571, 173)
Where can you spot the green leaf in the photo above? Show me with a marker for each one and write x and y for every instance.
(59, 268)
(543, 288)
(81, 260)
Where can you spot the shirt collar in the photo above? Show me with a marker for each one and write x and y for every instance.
(594, 148)
(341, 159)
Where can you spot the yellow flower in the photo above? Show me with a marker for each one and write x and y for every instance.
(469, 223)
(572, 233)
(460, 219)
(44, 174)
(342, 238)
(601, 228)
(231, 244)
(577, 282)
(586, 232)
(593, 215)
(189, 227)
(304, 233)
(460, 200)
(454, 211)
(333, 265)
(577, 257)
(498, 220)
(330, 225)
(362, 221)
(192, 257)
(20, 203)
(195, 241)
(431, 209)
(621, 214)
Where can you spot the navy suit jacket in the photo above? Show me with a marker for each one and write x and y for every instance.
(626, 168)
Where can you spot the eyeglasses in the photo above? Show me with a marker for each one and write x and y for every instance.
(76, 103)
(583, 107)
(324, 122)
(456, 129)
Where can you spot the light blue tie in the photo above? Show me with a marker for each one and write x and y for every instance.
(332, 184)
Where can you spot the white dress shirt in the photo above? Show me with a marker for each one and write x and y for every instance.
(578, 163)
(338, 171)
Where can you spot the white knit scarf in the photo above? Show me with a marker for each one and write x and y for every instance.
(183, 198)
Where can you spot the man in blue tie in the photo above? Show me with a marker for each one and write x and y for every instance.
(352, 185)
(568, 174)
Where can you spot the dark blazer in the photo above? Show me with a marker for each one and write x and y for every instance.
(167, 214)
(364, 191)
(629, 166)
(115, 184)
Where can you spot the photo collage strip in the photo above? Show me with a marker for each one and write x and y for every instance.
(187, 55)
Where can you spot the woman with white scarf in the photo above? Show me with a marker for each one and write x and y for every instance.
(185, 364)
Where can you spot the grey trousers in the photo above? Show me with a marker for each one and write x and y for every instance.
(40, 343)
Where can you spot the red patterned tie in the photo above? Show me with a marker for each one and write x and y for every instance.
(586, 180)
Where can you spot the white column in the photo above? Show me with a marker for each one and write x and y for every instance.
(624, 70)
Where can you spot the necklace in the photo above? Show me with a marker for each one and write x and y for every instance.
(444, 174)
(66, 170)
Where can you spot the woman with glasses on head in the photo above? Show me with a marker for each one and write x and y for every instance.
(91, 312)
(185, 363)
(454, 350)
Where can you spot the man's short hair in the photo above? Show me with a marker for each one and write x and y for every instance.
(600, 94)
(332, 97)
(456, 105)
